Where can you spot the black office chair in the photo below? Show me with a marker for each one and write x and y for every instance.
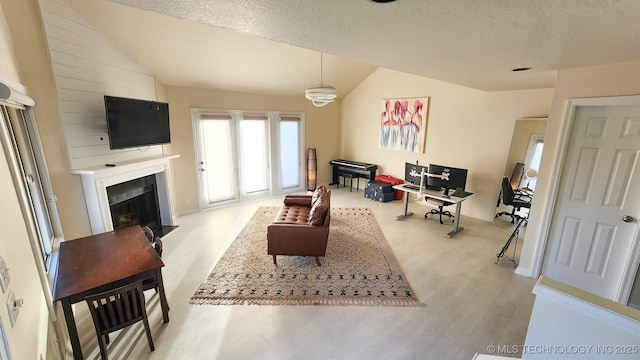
(440, 211)
(516, 199)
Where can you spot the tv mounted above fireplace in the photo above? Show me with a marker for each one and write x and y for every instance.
(134, 123)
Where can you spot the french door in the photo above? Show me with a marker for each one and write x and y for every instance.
(242, 155)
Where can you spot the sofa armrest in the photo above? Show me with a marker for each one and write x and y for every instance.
(297, 200)
(292, 239)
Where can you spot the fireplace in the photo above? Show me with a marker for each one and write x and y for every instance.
(129, 193)
(135, 202)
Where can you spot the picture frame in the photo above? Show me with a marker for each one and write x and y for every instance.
(403, 124)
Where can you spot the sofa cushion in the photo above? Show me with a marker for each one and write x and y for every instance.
(317, 193)
(319, 210)
(292, 215)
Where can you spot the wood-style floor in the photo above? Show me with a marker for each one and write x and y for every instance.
(471, 302)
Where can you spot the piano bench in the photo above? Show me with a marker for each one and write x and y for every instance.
(349, 175)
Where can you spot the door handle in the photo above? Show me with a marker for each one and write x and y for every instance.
(627, 218)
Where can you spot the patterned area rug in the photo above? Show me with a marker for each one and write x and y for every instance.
(358, 269)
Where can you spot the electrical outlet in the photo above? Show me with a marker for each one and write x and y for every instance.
(5, 279)
(13, 307)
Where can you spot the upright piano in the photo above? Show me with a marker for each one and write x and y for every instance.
(360, 169)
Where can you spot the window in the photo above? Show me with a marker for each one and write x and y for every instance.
(4, 346)
(24, 144)
(532, 160)
(289, 152)
(25, 157)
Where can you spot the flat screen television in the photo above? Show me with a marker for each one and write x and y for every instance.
(134, 123)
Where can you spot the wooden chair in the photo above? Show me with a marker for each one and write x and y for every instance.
(116, 309)
(156, 242)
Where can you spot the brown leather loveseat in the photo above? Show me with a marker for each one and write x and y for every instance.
(301, 227)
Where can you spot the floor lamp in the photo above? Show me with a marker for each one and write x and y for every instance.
(312, 169)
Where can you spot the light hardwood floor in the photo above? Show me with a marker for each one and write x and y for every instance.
(471, 302)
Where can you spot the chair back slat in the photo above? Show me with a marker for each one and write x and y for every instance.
(118, 308)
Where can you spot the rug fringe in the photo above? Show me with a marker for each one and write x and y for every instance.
(308, 302)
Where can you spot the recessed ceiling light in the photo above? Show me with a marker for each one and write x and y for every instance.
(521, 69)
(383, 1)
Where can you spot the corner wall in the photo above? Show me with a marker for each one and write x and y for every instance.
(27, 339)
(322, 131)
(595, 81)
(466, 128)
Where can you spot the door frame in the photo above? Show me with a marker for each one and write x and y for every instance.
(273, 147)
(550, 198)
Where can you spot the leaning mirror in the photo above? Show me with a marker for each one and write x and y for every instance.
(518, 183)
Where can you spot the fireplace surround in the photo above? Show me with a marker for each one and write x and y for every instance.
(97, 180)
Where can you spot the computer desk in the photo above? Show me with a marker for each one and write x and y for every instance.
(434, 195)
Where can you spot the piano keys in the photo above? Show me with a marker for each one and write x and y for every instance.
(360, 169)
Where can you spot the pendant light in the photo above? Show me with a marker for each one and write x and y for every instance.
(322, 94)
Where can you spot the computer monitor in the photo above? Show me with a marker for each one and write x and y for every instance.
(457, 178)
(412, 173)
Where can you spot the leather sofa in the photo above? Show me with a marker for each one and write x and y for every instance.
(301, 227)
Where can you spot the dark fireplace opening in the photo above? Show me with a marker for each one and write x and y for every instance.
(135, 202)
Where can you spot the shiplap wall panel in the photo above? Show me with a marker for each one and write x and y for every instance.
(87, 66)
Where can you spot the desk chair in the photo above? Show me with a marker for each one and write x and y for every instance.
(515, 199)
(440, 211)
(116, 309)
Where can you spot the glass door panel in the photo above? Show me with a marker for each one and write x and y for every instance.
(289, 154)
(254, 171)
(217, 171)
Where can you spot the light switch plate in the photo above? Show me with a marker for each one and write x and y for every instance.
(12, 308)
(4, 275)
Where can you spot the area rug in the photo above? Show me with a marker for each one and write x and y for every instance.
(359, 268)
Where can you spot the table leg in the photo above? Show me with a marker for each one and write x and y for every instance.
(406, 207)
(163, 297)
(456, 221)
(72, 329)
(334, 176)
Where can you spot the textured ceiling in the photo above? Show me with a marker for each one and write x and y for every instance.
(467, 42)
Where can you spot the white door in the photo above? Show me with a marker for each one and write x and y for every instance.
(589, 242)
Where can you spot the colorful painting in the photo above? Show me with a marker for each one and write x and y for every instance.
(403, 124)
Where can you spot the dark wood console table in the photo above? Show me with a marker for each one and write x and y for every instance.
(102, 262)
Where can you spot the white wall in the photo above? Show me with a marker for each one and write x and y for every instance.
(322, 131)
(570, 323)
(87, 66)
(466, 128)
(27, 340)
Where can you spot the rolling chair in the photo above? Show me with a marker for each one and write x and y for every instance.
(116, 309)
(517, 200)
(440, 211)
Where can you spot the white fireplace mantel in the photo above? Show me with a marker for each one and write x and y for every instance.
(96, 179)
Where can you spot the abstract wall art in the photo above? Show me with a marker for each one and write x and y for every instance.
(403, 124)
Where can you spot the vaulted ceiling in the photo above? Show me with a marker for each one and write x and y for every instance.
(273, 46)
